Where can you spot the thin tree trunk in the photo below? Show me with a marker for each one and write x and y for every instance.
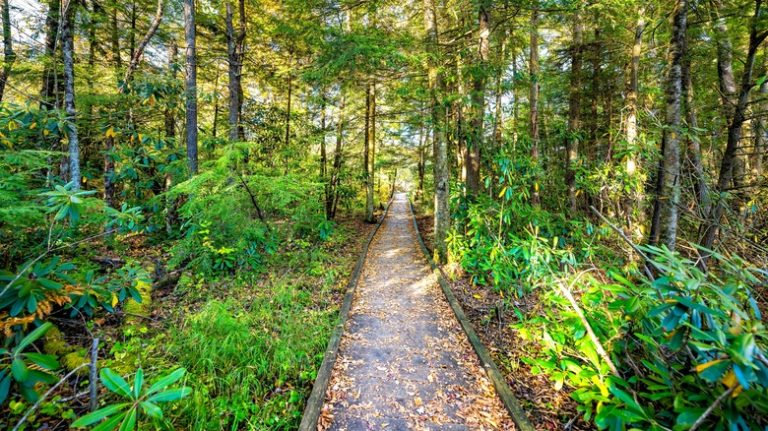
(191, 84)
(367, 152)
(235, 62)
(439, 143)
(711, 227)
(49, 94)
(170, 115)
(727, 80)
(67, 49)
(332, 198)
(115, 36)
(139, 51)
(574, 111)
(699, 181)
(498, 115)
(475, 141)
(665, 212)
(761, 143)
(288, 111)
(630, 122)
(533, 65)
(9, 56)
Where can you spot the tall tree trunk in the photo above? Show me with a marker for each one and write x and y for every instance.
(760, 141)
(115, 36)
(439, 143)
(475, 141)
(367, 150)
(594, 117)
(574, 111)
(725, 74)
(665, 212)
(170, 115)
(533, 100)
(138, 52)
(288, 111)
(67, 49)
(630, 119)
(9, 56)
(699, 181)
(332, 197)
(191, 84)
(235, 62)
(498, 115)
(728, 162)
(50, 92)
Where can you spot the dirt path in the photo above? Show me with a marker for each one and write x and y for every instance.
(404, 362)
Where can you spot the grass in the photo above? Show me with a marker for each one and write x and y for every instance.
(253, 345)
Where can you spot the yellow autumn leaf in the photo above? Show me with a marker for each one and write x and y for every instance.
(33, 126)
(46, 132)
(704, 366)
(114, 300)
(730, 379)
(110, 133)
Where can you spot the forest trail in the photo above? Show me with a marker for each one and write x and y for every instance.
(404, 363)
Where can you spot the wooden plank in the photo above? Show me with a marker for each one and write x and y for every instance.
(492, 371)
(316, 399)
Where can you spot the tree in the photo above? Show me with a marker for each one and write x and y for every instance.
(574, 111)
(439, 143)
(191, 84)
(475, 141)
(235, 53)
(9, 56)
(67, 49)
(533, 100)
(665, 211)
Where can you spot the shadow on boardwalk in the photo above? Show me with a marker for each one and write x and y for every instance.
(404, 362)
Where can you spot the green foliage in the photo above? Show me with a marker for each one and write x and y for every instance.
(22, 369)
(138, 401)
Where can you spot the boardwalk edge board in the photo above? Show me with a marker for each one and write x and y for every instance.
(499, 382)
(317, 397)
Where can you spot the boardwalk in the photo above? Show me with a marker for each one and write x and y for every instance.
(404, 362)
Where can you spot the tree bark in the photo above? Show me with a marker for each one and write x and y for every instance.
(332, 197)
(533, 100)
(665, 212)
(115, 36)
(574, 111)
(235, 51)
(475, 142)
(191, 84)
(698, 179)
(67, 49)
(9, 56)
(367, 150)
(439, 143)
(139, 51)
(711, 227)
(726, 78)
(52, 81)
(170, 115)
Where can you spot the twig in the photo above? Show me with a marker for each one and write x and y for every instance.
(711, 408)
(627, 240)
(45, 395)
(93, 402)
(566, 291)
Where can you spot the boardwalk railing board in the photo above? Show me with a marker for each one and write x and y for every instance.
(499, 382)
(316, 399)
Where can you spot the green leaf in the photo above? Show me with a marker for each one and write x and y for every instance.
(93, 417)
(170, 395)
(19, 370)
(111, 423)
(137, 383)
(32, 337)
(167, 380)
(129, 423)
(115, 383)
(46, 361)
(152, 410)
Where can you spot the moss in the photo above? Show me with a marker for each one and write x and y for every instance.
(75, 359)
(145, 291)
(54, 343)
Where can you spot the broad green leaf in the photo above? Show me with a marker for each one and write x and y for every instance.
(167, 380)
(170, 395)
(32, 337)
(115, 383)
(93, 417)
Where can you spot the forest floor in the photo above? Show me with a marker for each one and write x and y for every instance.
(404, 362)
(493, 319)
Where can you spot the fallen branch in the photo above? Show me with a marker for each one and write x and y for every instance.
(712, 408)
(45, 395)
